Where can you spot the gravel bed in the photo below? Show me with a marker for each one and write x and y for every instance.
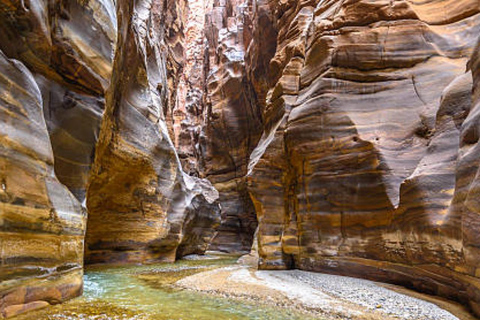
(365, 293)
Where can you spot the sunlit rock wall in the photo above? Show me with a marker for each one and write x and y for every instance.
(366, 166)
(139, 199)
(52, 106)
(52, 100)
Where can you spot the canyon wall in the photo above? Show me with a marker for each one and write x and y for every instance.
(216, 122)
(71, 145)
(367, 163)
(53, 76)
(139, 197)
(233, 124)
(344, 132)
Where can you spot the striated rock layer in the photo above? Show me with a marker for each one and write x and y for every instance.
(233, 125)
(69, 49)
(366, 165)
(51, 104)
(140, 202)
(215, 122)
(348, 129)
(41, 223)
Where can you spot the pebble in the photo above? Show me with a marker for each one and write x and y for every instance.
(372, 296)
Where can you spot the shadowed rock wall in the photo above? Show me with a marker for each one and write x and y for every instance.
(233, 124)
(216, 122)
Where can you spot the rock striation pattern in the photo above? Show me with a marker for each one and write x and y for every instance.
(53, 76)
(56, 65)
(41, 223)
(69, 49)
(365, 165)
(343, 134)
(233, 124)
(215, 120)
(139, 198)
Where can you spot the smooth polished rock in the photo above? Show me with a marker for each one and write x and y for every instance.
(50, 122)
(69, 48)
(70, 42)
(42, 224)
(139, 199)
(347, 130)
(73, 121)
(361, 162)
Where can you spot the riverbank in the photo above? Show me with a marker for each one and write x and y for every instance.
(322, 295)
(217, 287)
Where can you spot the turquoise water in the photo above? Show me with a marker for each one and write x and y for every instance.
(145, 293)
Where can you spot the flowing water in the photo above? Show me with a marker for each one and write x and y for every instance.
(145, 293)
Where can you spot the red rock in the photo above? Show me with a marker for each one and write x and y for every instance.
(360, 164)
(346, 130)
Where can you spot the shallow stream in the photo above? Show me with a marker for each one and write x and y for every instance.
(145, 293)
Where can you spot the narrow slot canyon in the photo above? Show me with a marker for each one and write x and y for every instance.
(239, 159)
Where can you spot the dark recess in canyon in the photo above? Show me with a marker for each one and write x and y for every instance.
(345, 134)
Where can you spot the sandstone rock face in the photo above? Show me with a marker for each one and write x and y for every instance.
(362, 166)
(52, 104)
(73, 122)
(233, 124)
(67, 41)
(188, 110)
(215, 122)
(465, 203)
(69, 47)
(41, 223)
(52, 100)
(348, 129)
(140, 202)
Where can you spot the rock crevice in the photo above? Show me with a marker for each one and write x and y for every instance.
(342, 133)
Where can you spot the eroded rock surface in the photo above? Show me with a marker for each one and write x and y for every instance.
(361, 157)
(233, 124)
(41, 223)
(53, 103)
(52, 98)
(69, 48)
(347, 129)
(139, 198)
(68, 41)
(215, 121)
